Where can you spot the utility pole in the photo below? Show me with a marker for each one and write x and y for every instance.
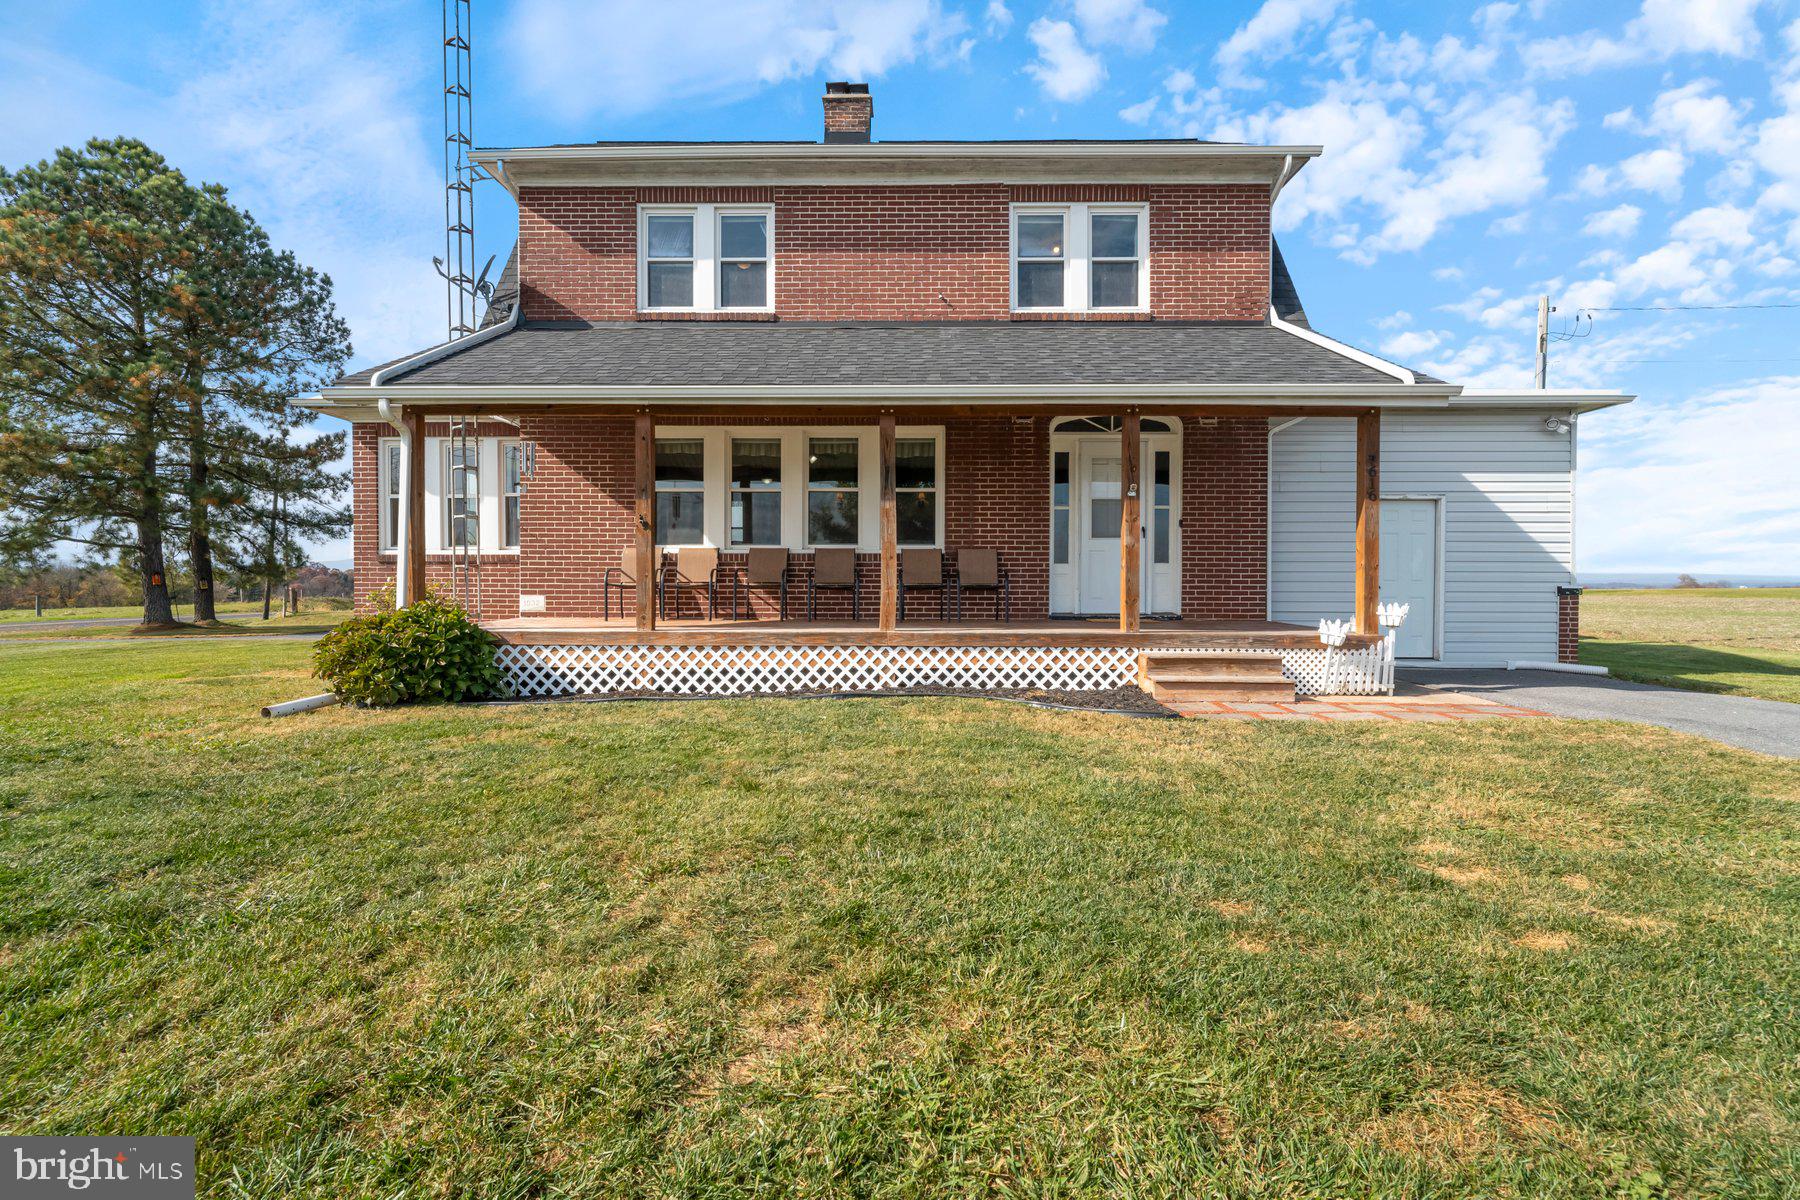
(1542, 379)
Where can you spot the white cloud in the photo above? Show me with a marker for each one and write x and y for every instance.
(1661, 30)
(1617, 222)
(1700, 482)
(1723, 225)
(999, 18)
(577, 58)
(1451, 57)
(1696, 118)
(1132, 24)
(1064, 68)
(1271, 32)
(1657, 171)
(1139, 113)
(1412, 344)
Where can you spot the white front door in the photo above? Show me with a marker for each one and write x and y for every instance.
(1409, 574)
(1097, 516)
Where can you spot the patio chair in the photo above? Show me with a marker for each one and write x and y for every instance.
(764, 566)
(923, 571)
(622, 578)
(980, 571)
(695, 568)
(834, 568)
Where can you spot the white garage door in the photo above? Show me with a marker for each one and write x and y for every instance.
(1409, 545)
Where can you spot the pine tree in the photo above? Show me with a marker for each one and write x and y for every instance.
(94, 246)
(261, 331)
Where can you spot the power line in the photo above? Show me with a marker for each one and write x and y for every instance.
(1674, 307)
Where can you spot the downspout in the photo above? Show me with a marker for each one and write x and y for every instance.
(1269, 518)
(403, 538)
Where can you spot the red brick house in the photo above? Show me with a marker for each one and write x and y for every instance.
(1086, 356)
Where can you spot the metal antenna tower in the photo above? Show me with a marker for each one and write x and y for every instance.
(458, 264)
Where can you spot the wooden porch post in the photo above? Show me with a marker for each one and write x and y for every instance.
(890, 537)
(1130, 516)
(415, 508)
(1368, 519)
(646, 521)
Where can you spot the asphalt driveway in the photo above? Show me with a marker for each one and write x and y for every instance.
(1770, 726)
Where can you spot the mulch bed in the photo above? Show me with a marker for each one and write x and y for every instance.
(1128, 701)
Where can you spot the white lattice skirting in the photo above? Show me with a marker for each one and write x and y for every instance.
(748, 670)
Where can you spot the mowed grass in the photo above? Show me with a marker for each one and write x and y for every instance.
(1744, 641)
(884, 947)
(102, 611)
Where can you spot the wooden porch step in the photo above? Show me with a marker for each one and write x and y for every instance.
(1173, 666)
(1179, 680)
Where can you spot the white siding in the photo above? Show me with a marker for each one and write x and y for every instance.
(1508, 512)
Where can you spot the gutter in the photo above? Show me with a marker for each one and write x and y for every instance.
(442, 350)
(1250, 395)
(856, 151)
(1351, 352)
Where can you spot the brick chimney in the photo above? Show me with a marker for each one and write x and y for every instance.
(849, 111)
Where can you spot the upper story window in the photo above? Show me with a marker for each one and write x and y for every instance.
(706, 258)
(1080, 258)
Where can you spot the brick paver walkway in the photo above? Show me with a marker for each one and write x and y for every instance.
(1408, 704)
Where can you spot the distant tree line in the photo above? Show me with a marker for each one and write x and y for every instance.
(77, 585)
(1685, 580)
(151, 342)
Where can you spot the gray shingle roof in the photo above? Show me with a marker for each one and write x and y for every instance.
(698, 353)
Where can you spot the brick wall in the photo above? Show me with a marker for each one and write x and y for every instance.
(1568, 624)
(896, 253)
(1225, 519)
(576, 520)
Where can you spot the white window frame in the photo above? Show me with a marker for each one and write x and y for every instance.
(390, 489)
(657, 488)
(936, 489)
(1078, 258)
(807, 488)
(505, 496)
(446, 473)
(706, 260)
(778, 491)
(716, 522)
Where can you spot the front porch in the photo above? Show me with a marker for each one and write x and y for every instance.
(561, 656)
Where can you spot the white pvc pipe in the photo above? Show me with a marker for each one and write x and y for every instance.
(290, 707)
(1525, 664)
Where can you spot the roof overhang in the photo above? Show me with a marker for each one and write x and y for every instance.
(360, 403)
(891, 162)
(1579, 400)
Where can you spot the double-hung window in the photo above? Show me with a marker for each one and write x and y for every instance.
(1080, 258)
(916, 491)
(706, 258)
(833, 488)
(512, 492)
(391, 451)
(462, 494)
(680, 491)
(756, 491)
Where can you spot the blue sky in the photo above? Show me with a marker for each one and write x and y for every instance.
(1616, 155)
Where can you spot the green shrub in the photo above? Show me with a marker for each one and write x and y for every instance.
(429, 650)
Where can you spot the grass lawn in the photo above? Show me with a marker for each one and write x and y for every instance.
(884, 947)
(1740, 640)
(238, 608)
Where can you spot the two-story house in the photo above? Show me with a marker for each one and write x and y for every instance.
(853, 413)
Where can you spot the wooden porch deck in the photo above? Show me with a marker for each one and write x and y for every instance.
(1168, 634)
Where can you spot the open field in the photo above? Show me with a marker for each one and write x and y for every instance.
(884, 947)
(237, 608)
(1744, 641)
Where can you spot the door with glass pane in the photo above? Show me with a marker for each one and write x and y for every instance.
(1089, 519)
